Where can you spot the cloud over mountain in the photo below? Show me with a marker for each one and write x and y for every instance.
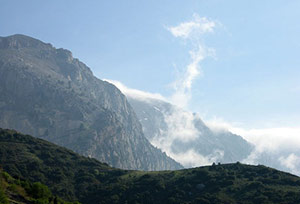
(182, 134)
(192, 32)
(277, 147)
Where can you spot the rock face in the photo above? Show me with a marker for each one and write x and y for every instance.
(185, 137)
(47, 93)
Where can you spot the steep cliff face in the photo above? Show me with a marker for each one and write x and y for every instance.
(185, 137)
(47, 93)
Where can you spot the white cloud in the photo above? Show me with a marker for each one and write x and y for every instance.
(292, 162)
(219, 124)
(197, 26)
(276, 147)
(191, 158)
(192, 31)
(272, 139)
(180, 128)
(135, 93)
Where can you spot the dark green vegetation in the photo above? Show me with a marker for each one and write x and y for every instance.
(47, 93)
(65, 172)
(20, 191)
(75, 177)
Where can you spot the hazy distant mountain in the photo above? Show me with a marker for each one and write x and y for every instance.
(184, 136)
(47, 93)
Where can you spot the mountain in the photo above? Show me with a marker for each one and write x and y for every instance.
(184, 136)
(74, 177)
(47, 93)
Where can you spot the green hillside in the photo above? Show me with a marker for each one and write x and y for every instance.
(75, 177)
(20, 192)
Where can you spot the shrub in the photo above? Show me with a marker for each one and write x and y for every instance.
(3, 198)
(39, 190)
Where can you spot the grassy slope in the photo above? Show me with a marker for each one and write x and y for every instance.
(22, 192)
(74, 177)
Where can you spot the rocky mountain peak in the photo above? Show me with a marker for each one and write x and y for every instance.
(18, 41)
(47, 93)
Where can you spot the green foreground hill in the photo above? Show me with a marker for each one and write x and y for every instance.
(74, 177)
(23, 192)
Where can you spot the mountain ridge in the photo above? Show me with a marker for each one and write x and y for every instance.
(179, 132)
(47, 93)
(75, 177)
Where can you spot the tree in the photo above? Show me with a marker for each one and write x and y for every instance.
(39, 190)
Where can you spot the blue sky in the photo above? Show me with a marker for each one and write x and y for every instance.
(252, 80)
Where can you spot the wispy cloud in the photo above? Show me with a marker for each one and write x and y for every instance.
(277, 147)
(192, 158)
(135, 93)
(197, 26)
(272, 139)
(291, 162)
(180, 128)
(192, 32)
